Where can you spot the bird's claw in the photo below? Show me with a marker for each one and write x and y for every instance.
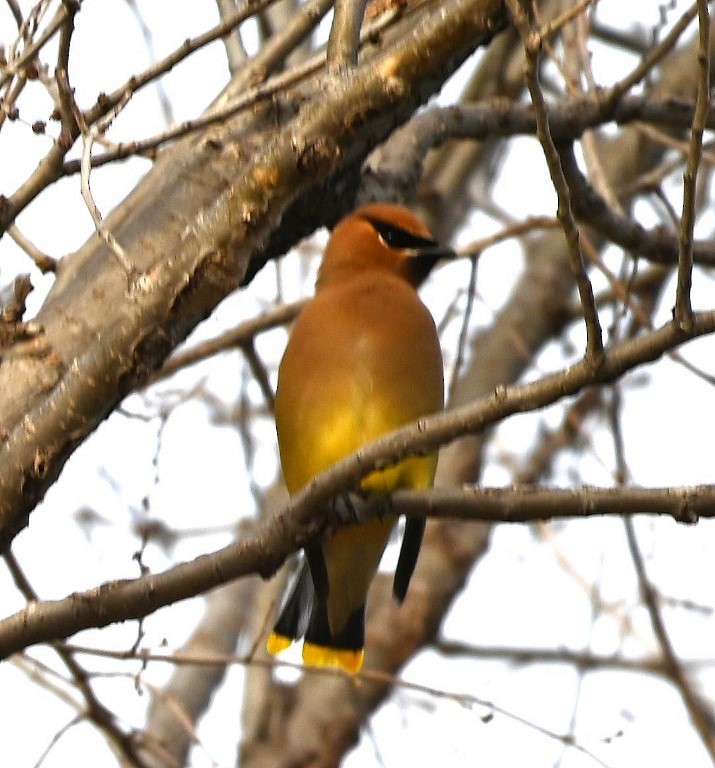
(354, 508)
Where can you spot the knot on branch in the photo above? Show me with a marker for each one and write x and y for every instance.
(12, 308)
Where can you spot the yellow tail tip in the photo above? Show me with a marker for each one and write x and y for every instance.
(321, 656)
(277, 643)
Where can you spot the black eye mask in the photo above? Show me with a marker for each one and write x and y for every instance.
(396, 237)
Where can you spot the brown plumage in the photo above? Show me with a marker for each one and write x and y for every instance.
(363, 359)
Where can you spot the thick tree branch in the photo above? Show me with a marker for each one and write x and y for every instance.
(116, 601)
(220, 202)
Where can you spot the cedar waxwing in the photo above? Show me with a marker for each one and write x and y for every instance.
(363, 359)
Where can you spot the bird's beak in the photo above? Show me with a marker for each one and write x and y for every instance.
(421, 260)
(435, 253)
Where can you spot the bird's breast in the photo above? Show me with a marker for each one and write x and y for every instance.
(361, 362)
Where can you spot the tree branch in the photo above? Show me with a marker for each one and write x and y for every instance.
(683, 306)
(532, 41)
(220, 203)
(306, 513)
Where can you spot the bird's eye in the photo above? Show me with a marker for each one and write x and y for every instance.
(397, 237)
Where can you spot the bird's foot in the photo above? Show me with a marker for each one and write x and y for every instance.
(355, 508)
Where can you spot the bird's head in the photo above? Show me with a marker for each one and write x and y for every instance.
(381, 236)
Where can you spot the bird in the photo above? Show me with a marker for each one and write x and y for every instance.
(363, 359)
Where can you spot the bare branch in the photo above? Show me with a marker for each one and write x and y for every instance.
(701, 719)
(235, 52)
(654, 55)
(532, 44)
(95, 711)
(41, 260)
(16, 12)
(523, 504)
(344, 38)
(236, 338)
(683, 307)
(306, 513)
(217, 236)
(30, 51)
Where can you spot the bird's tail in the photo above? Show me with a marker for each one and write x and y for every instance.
(305, 614)
(293, 620)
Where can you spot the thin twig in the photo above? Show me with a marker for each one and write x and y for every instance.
(225, 110)
(89, 135)
(55, 739)
(236, 337)
(30, 51)
(517, 229)
(579, 659)
(48, 678)
(658, 245)
(624, 293)
(367, 675)
(653, 56)
(683, 306)
(16, 12)
(95, 711)
(68, 110)
(161, 67)
(464, 330)
(260, 374)
(235, 52)
(8, 107)
(575, 39)
(673, 142)
(164, 101)
(42, 261)
(564, 18)
(215, 116)
(632, 39)
(532, 46)
(700, 718)
(51, 167)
